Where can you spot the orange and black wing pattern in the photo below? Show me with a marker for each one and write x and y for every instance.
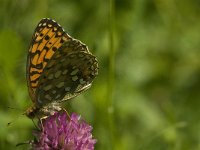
(48, 37)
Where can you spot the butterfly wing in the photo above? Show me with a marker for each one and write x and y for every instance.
(47, 38)
(69, 72)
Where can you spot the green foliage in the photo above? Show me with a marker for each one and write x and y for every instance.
(147, 93)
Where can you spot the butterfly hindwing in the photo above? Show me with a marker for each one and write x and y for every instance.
(69, 72)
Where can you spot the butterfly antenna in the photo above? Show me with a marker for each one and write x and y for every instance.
(12, 108)
(9, 123)
(18, 109)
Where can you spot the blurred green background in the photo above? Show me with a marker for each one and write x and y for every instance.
(147, 93)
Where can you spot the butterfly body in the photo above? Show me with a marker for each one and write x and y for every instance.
(44, 111)
(58, 68)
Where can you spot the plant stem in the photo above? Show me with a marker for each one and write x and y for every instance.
(111, 74)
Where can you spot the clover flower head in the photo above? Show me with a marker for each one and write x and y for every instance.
(59, 132)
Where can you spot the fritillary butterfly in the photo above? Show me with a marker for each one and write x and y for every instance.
(59, 68)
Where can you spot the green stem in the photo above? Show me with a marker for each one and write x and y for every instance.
(111, 74)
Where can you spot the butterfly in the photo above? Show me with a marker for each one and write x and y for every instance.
(59, 68)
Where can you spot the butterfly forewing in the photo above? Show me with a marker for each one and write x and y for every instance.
(69, 72)
(47, 38)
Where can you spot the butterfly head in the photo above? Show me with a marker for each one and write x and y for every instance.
(31, 112)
